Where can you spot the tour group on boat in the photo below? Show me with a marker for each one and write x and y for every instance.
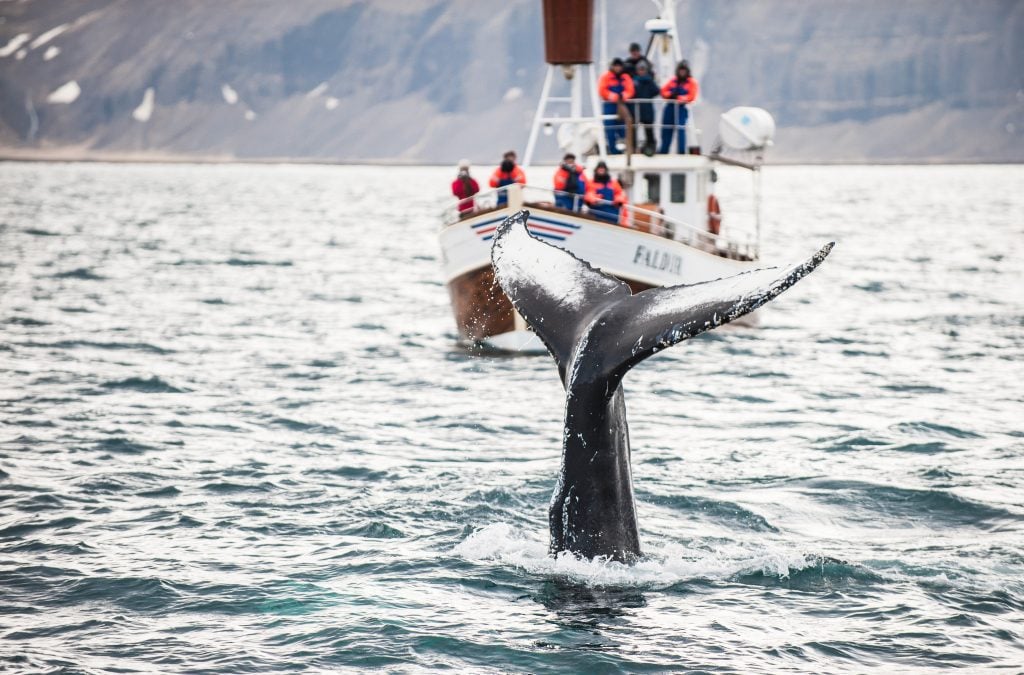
(636, 205)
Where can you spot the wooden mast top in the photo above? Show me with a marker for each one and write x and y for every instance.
(568, 31)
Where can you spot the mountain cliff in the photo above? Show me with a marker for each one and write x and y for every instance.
(435, 80)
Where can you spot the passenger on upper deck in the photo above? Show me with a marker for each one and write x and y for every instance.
(506, 174)
(604, 195)
(635, 58)
(614, 86)
(570, 184)
(643, 111)
(464, 187)
(679, 90)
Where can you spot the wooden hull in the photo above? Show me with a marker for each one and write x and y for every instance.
(482, 310)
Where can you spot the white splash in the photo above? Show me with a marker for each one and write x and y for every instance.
(22, 53)
(49, 35)
(145, 109)
(663, 566)
(318, 90)
(250, 115)
(66, 93)
(513, 94)
(50, 53)
(14, 44)
(331, 103)
(229, 94)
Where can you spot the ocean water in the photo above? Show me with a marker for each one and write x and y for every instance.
(237, 435)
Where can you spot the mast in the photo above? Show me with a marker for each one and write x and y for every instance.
(568, 52)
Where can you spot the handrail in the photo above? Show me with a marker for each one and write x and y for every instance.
(630, 216)
(693, 133)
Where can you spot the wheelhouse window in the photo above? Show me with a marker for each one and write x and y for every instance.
(678, 188)
(651, 188)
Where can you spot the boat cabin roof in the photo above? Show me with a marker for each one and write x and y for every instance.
(640, 162)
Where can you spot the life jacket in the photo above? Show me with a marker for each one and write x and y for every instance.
(609, 191)
(684, 92)
(502, 178)
(572, 182)
(614, 87)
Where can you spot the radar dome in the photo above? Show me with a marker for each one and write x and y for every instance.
(746, 128)
(577, 138)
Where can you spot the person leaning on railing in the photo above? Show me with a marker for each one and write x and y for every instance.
(643, 110)
(614, 86)
(679, 90)
(464, 187)
(570, 184)
(506, 174)
(605, 196)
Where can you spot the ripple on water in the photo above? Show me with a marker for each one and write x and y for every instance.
(85, 273)
(147, 385)
(284, 462)
(122, 446)
(935, 508)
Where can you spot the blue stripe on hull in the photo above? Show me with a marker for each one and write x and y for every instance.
(538, 233)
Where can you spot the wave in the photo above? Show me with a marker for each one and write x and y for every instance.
(26, 321)
(79, 273)
(930, 506)
(74, 344)
(151, 385)
(931, 429)
(240, 262)
(661, 567)
(122, 446)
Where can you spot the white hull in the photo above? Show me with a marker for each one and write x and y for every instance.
(643, 260)
(627, 254)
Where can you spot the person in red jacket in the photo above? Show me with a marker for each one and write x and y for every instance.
(464, 187)
(570, 184)
(614, 86)
(506, 174)
(604, 195)
(679, 91)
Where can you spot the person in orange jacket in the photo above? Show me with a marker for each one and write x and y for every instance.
(604, 195)
(614, 86)
(506, 174)
(570, 184)
(679, 91)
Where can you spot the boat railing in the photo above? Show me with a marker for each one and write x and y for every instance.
(627, 215)
(654, 131)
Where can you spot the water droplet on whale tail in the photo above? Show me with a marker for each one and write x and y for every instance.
(578, 310)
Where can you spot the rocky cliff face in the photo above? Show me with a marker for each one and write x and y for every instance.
(435, 80)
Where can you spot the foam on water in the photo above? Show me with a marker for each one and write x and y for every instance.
(661, 566)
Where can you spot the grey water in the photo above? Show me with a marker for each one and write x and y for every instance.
(237, 435)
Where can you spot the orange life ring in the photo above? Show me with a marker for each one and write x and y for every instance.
(714, 215)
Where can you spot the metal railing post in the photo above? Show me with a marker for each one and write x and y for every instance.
(541, 107)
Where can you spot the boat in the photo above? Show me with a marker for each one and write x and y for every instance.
(670, 232)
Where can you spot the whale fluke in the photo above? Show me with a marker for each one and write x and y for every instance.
(596, 330)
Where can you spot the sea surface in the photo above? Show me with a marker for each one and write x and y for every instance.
(237, 435)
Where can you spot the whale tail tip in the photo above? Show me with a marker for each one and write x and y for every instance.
(567, 302)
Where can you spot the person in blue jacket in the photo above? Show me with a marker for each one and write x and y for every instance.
(643, 111)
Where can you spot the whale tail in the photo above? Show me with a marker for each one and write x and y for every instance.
(582, 314)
